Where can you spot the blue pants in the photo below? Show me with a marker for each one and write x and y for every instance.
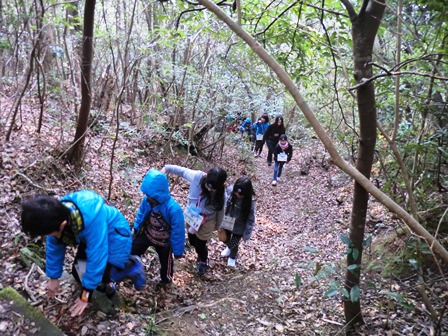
(278, 167)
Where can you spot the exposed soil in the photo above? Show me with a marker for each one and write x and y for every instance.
(282, 273)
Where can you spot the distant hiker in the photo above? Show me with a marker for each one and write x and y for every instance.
(260, 128)
(272, 135)
(239, 218)
(159, 223)
(253, 136)
(246, 127)
(100, 231)
(205, 209)
(282, 155)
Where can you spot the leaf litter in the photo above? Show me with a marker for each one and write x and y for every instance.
(295, 255)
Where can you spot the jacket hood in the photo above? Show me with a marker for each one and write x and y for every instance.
(248, 120)
(155, 185)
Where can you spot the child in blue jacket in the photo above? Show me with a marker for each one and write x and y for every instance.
(159, 223)
(246, 127)
(100, 232)
(260, 129)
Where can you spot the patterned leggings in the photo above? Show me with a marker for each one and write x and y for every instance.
(232, 242)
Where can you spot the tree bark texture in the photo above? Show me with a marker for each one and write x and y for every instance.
(364, 29)
(76, 153)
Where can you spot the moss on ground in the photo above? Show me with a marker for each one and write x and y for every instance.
(20, 314)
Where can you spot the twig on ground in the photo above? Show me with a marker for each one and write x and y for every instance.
(32, 183)
(27, 288)
(180, 311)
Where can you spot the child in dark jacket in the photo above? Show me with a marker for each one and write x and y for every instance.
(240, 217)
(282, 155)
(272, 134)
(159, 223)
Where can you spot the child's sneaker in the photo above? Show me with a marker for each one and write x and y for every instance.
(163, 285)
(231, 262)
(136, 273)
(202, 267)
(225, 253)
(274, 183)
(133, 270)
(109, 289)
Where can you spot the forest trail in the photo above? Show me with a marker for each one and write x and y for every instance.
(297, 233)
(282, 273)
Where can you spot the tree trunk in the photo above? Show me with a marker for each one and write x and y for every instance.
(76, 152)
(364, 28)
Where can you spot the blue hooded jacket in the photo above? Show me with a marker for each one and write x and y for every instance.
(246, 125)
(106, 234)
(260, 127)
(155, 185)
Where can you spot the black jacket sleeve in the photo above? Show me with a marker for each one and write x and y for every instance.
(267, 134)
(289, 153)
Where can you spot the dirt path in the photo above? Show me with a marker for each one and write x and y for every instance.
(296, 234)
(278, 288)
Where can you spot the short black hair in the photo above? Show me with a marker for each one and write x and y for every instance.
(42, 215)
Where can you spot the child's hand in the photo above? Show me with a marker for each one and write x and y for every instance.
(163, 170)
(78, 308)
(52, 287)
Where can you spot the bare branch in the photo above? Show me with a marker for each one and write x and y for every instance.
(362, 11)
(322, 9)
(365, 81)
(351, 11)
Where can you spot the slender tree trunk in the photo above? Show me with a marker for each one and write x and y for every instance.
(364, 28)
(76, 152)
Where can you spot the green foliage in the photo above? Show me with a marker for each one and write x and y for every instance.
(346, 240)
(401, 300)
(151, 328)
(5, 45)
(355, 293)
(297, 280)
(32, 253)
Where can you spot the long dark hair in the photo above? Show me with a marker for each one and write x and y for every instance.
(215, 179)
(243, 186)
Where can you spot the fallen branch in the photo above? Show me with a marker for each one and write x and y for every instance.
(32, 183)
(180, 311)
(27, 288)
